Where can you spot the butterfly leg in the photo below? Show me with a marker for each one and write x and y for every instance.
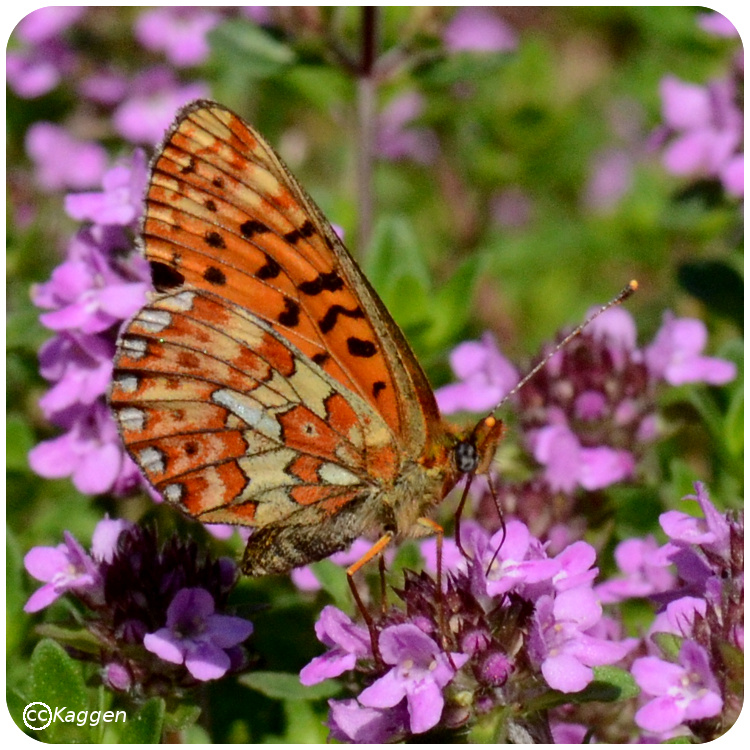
(376, 549)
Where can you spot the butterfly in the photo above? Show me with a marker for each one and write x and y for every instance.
(264, 383)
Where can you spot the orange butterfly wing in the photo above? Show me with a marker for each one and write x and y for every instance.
(265, 383)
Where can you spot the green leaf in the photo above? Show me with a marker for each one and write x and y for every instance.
(668, 644)
(77, 638)
(285, 686)
(146, 725)
(184, 716)
(323, 86)
(716, 284)
(734, 424)
(56, 680)
(610, 684)
(394, 254)
(260, 54)
(19, 441)
(333, 580)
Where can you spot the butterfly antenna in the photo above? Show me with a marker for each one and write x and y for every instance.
(616, 300)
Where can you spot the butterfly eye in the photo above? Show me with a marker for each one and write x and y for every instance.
(467, 458)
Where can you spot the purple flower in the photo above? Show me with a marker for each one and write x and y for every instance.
(678, 616)
(420, 670)
(106, 87)
(478, 30)
(686, 691)
(715, 23)
(397, 139)
(117, 677)
(349, 721)
(610, 179)
(79, 365)
(710, 532)
(155, 98)
(576, 566)
(560, 644)
(347, 643)
(646, 570)
(486, 377)
(196, 636)
(178, 32)
(121, 201)
(85, 292)
(47, 23)
(105, 536)
(706, 123)
(520, 560)
(567, 464)
(675, 354)
(90, 452)
(64, 568)
(62, 161)
(512, 208)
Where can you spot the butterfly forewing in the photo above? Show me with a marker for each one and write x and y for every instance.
(224, 214)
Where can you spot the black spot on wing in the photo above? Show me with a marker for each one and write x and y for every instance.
(328, 321)
(290, 316)
(306, 230)
(328, 281)
(214, 239)
(252, 227)
(377, 386)
(165, 277)
(321, 357)
(215, 276)
(360, 347)
(270, 270)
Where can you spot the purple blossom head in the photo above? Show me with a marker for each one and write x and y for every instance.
(610, 179)
(62, 161)
(646, 570)
(347, 643)
(180, 33)
(485, 377)
(195, 635)
(676, 354)
(419, 671)
(703, 130)
(512, 208)
(479, 30)
(397, 138)
(121, 201)
(350, 721)
(155, 98)
(678, 692)
(718, 25)
(90, 452)
(47, 23)
(561, 645)
(64, 568)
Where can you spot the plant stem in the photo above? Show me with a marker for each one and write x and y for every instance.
(366, 113)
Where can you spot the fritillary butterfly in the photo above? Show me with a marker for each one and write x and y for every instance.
(265, 383)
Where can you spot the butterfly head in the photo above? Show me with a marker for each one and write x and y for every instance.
(474, 454)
